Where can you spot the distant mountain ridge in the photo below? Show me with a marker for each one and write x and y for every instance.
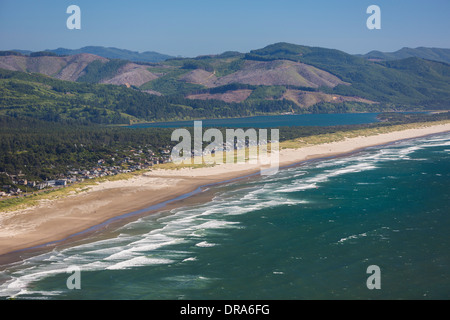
(428, 53)
(436, 54)
(81, 67)
(110, 53)
(64, 68)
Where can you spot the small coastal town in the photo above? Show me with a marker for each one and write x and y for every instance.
(21, 185)
(136, 159)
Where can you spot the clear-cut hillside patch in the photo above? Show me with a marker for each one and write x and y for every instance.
(64, 68)
(131, 74)
(76, 65)
(201, 77)
(306, 99)
(280, 72)
(229, 96)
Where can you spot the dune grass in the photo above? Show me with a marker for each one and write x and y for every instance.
(342, 135)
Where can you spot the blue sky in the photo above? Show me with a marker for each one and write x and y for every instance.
(196, 27)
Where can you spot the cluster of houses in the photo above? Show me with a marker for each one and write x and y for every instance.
(237, 144)
(135, 161)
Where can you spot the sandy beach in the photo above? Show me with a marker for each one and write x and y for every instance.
(58, 219)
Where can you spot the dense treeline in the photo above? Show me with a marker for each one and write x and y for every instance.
(225, 88)
(354, 106)
(42, 150)
(260, 88)
(198, 64)
(394, 117)
(10, 53)
(43, 54)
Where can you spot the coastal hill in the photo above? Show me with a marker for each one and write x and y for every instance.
(82, 67)
(115, 53)
(63, 68)
(279, 78)
(436, 54)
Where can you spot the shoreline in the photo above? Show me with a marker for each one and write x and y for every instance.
(56, 221)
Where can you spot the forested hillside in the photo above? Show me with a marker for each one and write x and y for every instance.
(436, 54)
(411, 81)
(279, 78)
(45, 98)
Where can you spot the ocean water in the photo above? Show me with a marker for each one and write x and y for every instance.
(308, 232)
(272, 121)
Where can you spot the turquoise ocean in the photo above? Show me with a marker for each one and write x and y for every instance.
(308, 232)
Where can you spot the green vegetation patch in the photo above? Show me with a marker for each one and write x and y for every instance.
(97, 70)
(267, 92)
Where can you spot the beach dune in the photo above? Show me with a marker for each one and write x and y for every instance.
(56, 220)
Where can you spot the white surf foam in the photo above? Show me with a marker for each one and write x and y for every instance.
(138, 262)
(205, 244)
